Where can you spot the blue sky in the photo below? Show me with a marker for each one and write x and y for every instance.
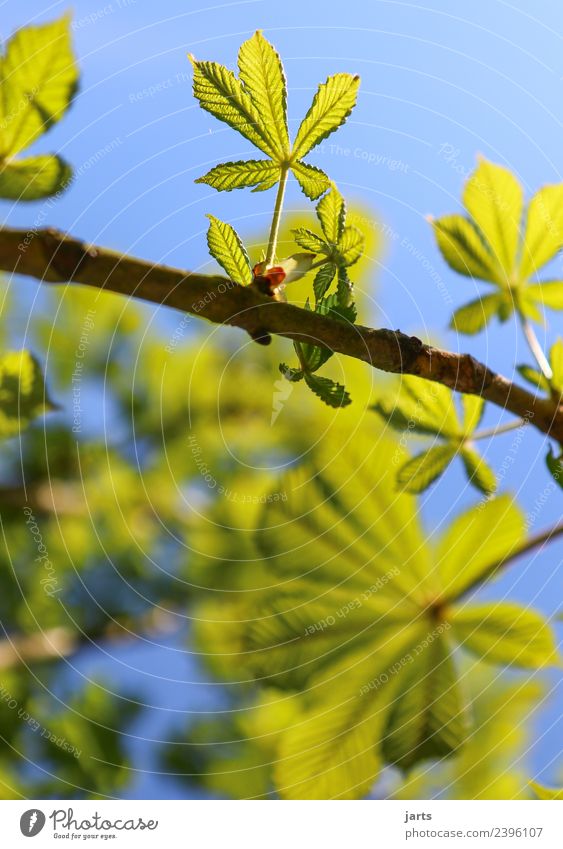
(441, 81)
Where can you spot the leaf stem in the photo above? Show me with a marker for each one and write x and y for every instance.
(529, 544)
(274, 229)
(499, 429)
(536, 348)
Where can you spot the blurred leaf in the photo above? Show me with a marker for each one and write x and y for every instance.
(533, 376)
(419, 472)
(473, 317)
(463, 248)
(23, 394)
(549, 293)
(543, 236)
(546, 793)
(34, 177)
(478, 472)
(504, 632)
(555, 466)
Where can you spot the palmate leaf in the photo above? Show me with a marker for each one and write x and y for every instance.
(23, 394)
(504, 632)
(428, 718)
(309, 241)
(226, 247)
(38, 80)
(473, 317)
(331, 105)
(549, 293)
(34, 177)
(261, 73)
(429, 409)
(262, 173)
(335, 606)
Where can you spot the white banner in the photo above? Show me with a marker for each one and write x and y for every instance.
(282, 825)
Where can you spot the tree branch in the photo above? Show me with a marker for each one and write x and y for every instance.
(52, 257)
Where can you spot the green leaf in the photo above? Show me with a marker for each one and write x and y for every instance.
(504, 632)
(479, 473)
(323, 279)
(331, 305)
(463, 248)
(262, 173)
(494, 199)
(314, 356)
(294, 375)
(546, 793)
(473, 409)
(220, 93)
(331, 105)
(536, 378)
(473, 317)
(261, 73)
(312, 180)
(333, 394)
(556, 362)
(331, 212)
(429, 718)
(420, 407)
(34, 177)
(555, 466)
(23, 394)
(418, 473)
(38, 80)
(351, 245)
(544, 229)
(309, 241)
(476, 542)
(345, 291)
(527, 306)
(549, 293)
(226, 247)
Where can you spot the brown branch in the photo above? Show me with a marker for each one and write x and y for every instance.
(53, 257)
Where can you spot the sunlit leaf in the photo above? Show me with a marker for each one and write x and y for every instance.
(323, 279)
(329, 391)
(309, 241)
(544, 229)
(39, 78)
(351, 245)
(505, 632)
(494, 199)
(546, 793)
(331, 212)
(473, 317)
(238, 175)
(23, 394)
(226, 247)
(261, 73)
(533, 376)
(331, 105)
(479, 473)
(418, 473)
(548, 293)
(476, 542)
(34, 177)
(473, 409)
(463, 248)
(312, 180)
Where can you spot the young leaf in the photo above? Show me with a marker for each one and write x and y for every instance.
(39, 78)
(478, 472)
(294, 375)
(23, 394)
(549, 293)
(323, 279)
(474, 544)
(262, 173)
(494, 199)
(222, 94)
(418, 473)
(331, 212)
(463, 248)
(546, 793)
(226, 247)
(261, 73)
(556, 362)
(312, 180)
(504, 632)
(331, 105)
(351, 245)
(429, 718)
(473, 317)
(309, 241)
(473, 409)
(333, 394)
(544, 230)
(34, 177)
